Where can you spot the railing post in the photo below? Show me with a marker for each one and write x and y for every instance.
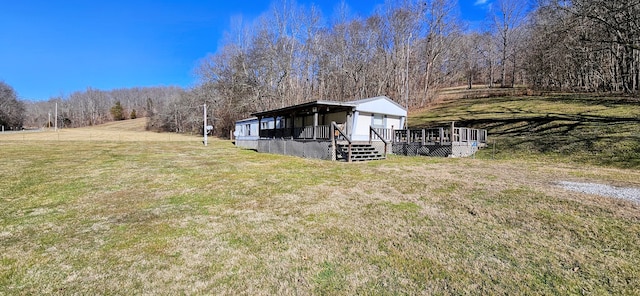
(423, 137)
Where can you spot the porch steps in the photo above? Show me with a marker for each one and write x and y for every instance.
(359, 152)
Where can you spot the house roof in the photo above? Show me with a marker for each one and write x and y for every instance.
(307, 108)
(324, 107)
(247, 119)
(362, 101)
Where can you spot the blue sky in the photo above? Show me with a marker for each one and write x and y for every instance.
(52, 48)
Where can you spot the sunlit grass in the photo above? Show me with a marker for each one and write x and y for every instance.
(176, 217)
(574, 128)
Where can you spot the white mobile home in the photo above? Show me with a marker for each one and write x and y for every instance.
(308, 129)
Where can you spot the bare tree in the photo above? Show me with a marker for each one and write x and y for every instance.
(11, 109)
(508, 16)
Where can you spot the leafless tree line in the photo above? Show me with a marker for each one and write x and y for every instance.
(11, 109)
(406, 50)
(586, 45)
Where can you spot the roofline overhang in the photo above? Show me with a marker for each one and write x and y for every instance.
(301, 108)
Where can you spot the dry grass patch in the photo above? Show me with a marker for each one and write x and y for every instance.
(119, 131)
(181, 218)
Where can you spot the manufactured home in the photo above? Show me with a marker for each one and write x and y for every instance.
(366, 129)
(319, 129)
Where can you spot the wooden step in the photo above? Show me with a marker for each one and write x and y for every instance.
(359, 152)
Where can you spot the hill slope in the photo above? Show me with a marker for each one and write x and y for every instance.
(132, 130)
(588, 129)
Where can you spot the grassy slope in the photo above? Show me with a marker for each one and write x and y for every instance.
(133, 217)
(584, 129)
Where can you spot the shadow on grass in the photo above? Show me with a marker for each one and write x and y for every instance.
(579, 134)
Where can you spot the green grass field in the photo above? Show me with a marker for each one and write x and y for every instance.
(132, 212)
(604, 131)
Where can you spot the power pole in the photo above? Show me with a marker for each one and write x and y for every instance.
(56, 118)
(406, 92)
(204, 129)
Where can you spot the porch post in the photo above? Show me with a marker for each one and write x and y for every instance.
(259, 127)
(354, 122)
(332, 137)
(453, 126)
(315, 123)
(274, 127)
(293, 124)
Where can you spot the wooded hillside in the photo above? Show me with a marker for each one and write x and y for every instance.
(406, 50)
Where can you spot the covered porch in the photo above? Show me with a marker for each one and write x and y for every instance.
(309, 121)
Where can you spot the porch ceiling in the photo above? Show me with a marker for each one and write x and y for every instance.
(322, 107)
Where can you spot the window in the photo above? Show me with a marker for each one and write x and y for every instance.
(377, 121)
(247, 129)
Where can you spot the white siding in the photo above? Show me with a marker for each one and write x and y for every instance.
(361, 130)
(381, 106)
(246, 129)
(393, 122)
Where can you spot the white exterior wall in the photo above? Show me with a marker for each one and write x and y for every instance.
(242, 132)
(393, 122)
(392, 114)
(361, 129)
(381, 106)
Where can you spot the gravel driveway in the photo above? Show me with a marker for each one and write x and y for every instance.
(629, 193)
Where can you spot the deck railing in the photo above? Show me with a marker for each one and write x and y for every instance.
(375, 134)
(440, 135)
(385, 134)
(307, 132)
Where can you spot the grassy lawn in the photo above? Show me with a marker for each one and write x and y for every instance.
(604, 131)
(170, 216)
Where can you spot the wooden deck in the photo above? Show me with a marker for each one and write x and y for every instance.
(442, 141)
(441, 136)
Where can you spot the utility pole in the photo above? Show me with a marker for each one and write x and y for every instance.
(49, 122)
(56, 119)
(406, 92)
(204, 129)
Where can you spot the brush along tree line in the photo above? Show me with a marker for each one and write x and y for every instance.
(406, 50)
